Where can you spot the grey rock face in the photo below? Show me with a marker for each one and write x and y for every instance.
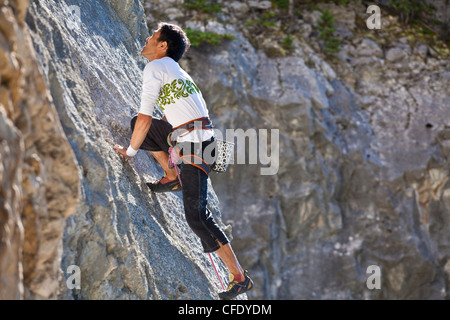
(363, 169)
(260, 4)
(368, 48)
(395, 54)
(363, 166)
(128, 243)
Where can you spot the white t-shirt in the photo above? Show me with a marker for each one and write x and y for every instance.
(168, 85)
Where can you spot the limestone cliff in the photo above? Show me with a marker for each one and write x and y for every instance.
(38, 172)
(71, 208)
(363, 167)
(364, 143)
(128, 243)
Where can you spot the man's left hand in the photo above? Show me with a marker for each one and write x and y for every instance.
(122, 151)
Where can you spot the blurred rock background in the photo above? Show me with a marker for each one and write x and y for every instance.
(364, 139)
(364, 126)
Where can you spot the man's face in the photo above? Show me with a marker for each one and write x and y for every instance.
(153, 48)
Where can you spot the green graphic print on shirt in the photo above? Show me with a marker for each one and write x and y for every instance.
(171, 91)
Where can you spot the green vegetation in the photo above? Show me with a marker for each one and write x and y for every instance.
(202, 5)
(197, 37)
(421, 13)
(344, 2)
(282, 4)
(267, 20)
(286, 43)
(410, 10)
(327, 29)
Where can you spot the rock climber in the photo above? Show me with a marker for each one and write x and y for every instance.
(168, 85)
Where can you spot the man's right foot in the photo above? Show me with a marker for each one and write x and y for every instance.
(165, 185)
(236, 288)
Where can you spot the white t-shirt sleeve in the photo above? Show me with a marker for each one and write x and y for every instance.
(151, 85)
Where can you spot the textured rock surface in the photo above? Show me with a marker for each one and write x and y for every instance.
(127, 243)
(38, 173)
(364, 170)
(363, 173)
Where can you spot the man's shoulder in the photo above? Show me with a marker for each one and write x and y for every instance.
(154, 65)
(161, 65)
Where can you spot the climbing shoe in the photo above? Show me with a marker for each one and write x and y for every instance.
(164, 185)
(236, 288)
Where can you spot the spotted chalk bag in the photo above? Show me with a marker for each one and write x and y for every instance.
(224, 151)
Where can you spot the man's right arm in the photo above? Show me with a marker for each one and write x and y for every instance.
(151, 85)
(141, 127)
(140, 131)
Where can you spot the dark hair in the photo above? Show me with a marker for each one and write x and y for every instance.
(177, 41)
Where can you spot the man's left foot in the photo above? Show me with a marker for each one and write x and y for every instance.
(165, 185)
(236, 288)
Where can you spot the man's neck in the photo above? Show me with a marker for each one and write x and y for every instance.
(159, 57)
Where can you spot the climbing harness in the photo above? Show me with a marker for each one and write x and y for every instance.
(200, 123)
(174, 152)
(174, 158)
(223, 149)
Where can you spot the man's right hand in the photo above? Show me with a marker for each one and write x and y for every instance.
(121, 150)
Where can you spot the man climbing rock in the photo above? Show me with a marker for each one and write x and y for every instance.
(166, 83)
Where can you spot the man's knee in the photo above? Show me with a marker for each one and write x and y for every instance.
(193, 216)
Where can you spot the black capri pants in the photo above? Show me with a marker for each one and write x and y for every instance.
(194, 187)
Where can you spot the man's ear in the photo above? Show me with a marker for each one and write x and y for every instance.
(163, 45)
